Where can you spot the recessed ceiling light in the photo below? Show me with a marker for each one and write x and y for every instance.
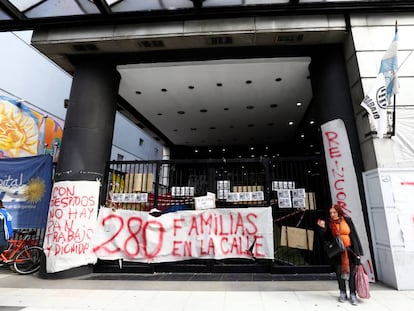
(249, 82)
(311, 122)
(138, 92)
(298, 104)
(302, 135)
(203, 110)
(212, 127)
(250, 107)
(278, 79)
(209, 150)
(181, 112)
(251, 148)
(290, 123)
(196, 150)
(163, 90)
(219, 84)
(159, 114)
(226, 109)
(224, 149)
(191, 87)
(273, 106)
(175, 130)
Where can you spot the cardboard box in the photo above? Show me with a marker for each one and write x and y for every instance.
(297, 238)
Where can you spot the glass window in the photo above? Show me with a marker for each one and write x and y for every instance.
(52, 8)
(23, 5)
(308, 1)
(4, 16)
(147, 5)
(211, 3)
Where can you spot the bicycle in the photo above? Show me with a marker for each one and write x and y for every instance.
(23, 255)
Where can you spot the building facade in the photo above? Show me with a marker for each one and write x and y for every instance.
(341, 42)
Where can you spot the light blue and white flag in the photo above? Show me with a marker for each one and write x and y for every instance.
(389, 68)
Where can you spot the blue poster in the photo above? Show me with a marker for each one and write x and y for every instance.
(25, 186)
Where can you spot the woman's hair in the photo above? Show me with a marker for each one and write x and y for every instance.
(339, 209)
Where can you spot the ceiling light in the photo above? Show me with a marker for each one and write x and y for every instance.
(138, 92)
(251, 148)
(250, 107)
(212, 127)
(224, 149)
(159, 114)
(298, 104)
(196, 150)
(163, 90)
(302, 135)
(226, 109)
(290, 123)
(203, 110)
(191, 87)
(311, 122)
(273, 106)
(249, 82)
(219, 84)
(181, 112)
(278, 79)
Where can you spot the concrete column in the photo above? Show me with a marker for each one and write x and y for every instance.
(87, 138)
(332, 100)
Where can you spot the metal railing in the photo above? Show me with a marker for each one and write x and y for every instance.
(173, 185)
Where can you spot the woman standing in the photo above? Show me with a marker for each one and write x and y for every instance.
(344, 263)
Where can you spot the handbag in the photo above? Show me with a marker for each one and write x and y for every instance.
(361, 282)
(334, 247)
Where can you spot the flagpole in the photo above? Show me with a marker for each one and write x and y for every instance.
(395, 98)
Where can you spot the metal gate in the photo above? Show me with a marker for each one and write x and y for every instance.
(295, 188)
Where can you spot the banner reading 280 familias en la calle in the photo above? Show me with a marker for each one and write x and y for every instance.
(213, 233)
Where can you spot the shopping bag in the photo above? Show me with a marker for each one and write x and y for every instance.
(361, 282)
(334, 247)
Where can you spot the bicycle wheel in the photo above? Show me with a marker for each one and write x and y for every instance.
(28, 260)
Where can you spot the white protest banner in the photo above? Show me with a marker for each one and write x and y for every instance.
(343, 182)
(71, 225)
(214, 233)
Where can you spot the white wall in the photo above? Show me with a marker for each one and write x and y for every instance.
(388, 162)
(372, 36)
(126, 142)
(29, 75)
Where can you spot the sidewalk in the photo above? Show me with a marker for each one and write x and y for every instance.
(125, 292)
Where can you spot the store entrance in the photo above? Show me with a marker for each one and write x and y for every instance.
(293, 187)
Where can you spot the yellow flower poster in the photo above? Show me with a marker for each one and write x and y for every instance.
(26, 130)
